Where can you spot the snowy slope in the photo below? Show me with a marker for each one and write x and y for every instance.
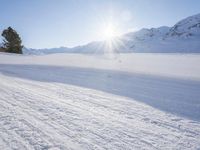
(183, 37)
(28, 51)
(71, 101)
(186, 27)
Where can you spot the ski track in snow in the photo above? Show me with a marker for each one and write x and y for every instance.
(37, 114)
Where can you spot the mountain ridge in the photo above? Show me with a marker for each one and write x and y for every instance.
(183, 37)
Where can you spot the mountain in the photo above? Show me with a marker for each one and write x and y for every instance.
(183, 37)
(187, 27)
(46, 51)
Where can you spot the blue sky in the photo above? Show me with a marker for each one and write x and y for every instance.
(55, 23)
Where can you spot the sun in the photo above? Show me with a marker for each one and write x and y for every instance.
(110, 36)
(109, 32)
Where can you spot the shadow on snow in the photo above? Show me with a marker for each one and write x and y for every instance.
(180, 97)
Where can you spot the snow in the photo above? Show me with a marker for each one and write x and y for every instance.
(184, 66)
(183, 37)
(123, 101)
(187, 27)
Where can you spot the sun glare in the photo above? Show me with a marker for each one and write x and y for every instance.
(109, 32)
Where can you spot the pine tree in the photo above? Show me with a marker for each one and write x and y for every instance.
(12, 42)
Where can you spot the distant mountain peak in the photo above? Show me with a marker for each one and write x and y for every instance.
(183, 37)
(187, 27)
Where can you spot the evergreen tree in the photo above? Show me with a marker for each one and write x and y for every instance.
(12, 42)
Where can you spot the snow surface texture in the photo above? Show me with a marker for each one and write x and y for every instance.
(71, 101)
(183, 37)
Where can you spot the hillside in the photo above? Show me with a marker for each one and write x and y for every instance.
(183, 37)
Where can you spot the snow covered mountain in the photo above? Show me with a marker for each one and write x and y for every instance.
(183, 37)
(45, 51)
(187, 27)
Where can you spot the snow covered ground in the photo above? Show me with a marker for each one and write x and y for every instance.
(74, 101)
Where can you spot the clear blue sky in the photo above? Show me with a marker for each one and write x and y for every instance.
(55, 23)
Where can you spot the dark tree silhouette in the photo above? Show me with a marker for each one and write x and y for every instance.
(12, 43)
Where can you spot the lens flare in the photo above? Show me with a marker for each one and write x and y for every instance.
(109, 32)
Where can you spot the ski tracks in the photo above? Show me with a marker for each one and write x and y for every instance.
(38, 115)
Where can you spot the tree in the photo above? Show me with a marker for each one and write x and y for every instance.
(12, 42)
